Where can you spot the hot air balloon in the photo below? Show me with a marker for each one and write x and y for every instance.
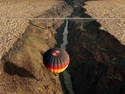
(56, 60)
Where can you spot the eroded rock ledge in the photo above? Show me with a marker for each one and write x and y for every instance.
(97, 60)
(22, 70)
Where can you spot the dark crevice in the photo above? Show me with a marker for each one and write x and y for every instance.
(59, 35)
(92, 50)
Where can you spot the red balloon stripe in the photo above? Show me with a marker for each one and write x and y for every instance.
(56, 67)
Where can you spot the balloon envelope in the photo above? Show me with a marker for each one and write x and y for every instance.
(56, 60)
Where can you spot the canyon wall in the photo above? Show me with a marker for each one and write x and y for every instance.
(97, 60)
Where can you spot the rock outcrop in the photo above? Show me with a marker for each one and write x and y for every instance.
(21, 69)
(97, 52)
(97, 60)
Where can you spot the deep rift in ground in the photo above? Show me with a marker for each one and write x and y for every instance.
(97, 58)
(97, 50)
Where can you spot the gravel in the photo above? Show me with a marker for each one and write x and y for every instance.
(14, 18)
(110, 14)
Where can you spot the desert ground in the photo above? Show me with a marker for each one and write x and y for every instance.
(110, 14)
(96, 48)
(14, 18)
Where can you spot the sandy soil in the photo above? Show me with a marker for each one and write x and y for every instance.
(11, 29)
(112, 16)
(13, 21)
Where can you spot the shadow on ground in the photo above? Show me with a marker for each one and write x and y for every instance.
(13, 69)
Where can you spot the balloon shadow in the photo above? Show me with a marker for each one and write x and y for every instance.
(13, 69)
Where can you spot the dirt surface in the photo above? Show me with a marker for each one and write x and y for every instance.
(13, 21)
(25, 8)
(97, 57)
(21, 69)
(110, 14)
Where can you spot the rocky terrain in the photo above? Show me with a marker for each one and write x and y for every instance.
(21, 68)
(110, 14)
(96, 47)
(15, 16)
(97, 60)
